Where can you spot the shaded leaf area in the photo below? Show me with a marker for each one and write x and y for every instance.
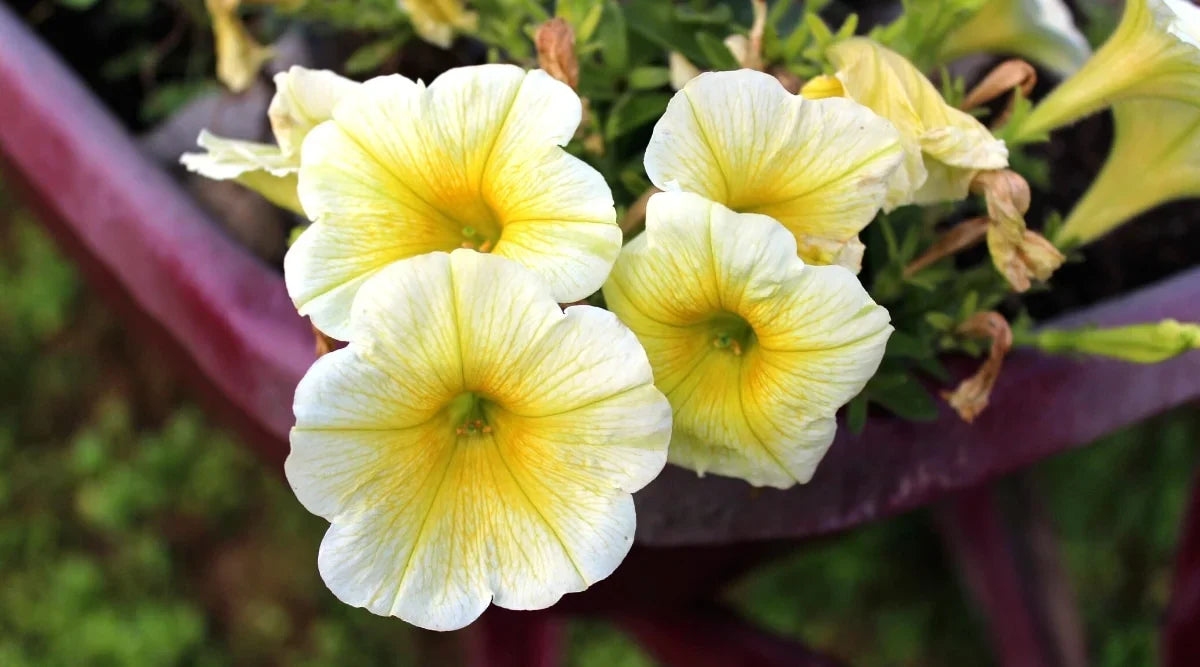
(886, 594)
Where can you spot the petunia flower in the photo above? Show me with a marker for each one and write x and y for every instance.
(437, 21)
(473, 160)
(239, 55)
(1154, 52)
(1155, 158)
(473, 443)
(1039, 30)
(303, 98)
(944, 148)
(740, 139)
(754, 349)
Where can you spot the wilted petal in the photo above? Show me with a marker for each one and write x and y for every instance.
(944, 146)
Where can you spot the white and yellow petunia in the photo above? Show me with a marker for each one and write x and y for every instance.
(944, 147)
(303, 98)
(473, 443)
(474, 160)
(754, 349)
(437, 21)
(819, 167)
(1153, 53)
(1155, 159)
(1040, 30)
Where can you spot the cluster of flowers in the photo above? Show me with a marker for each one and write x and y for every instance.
(476, 442)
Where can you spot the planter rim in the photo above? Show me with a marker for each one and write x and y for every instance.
(225, 315)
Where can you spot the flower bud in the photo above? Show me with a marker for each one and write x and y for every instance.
(1147, 343)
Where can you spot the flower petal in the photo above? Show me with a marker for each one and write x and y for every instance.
(304, 98)
(763, 410)
(933, 132)
(820, 167)
(429, 524)
(404, 170)
(260, 167)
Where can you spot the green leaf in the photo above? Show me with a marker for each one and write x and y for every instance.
(907, 400)
(819, 29)
(633, 111)
(716, 54)
(371, 56)
(78, 5)
(648, 77)
(940, 321)
(719, 15)
(906, 346)
(613, 38)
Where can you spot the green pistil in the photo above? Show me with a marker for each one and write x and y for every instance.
(732, 333)
(467, 416)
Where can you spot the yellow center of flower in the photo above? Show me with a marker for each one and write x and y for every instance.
(468, 414)
(732, 333)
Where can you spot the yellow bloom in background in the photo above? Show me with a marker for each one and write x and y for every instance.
(818, 166)
(473, 443)
(1154, 52)
(1155, 158)
(303, 98)
(239, 55)
(474, 160)
(944, 147)
(1038, 30)
(754, 349)
(436, 21)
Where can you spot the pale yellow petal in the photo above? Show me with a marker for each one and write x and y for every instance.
(472, 161)
(754, 350)
(944, 146)
(436, 21)
(820, 167)
(431, 522)
(239, 55)
(258, 166)
(304, 98)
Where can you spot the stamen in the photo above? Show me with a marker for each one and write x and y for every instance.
(487, 245)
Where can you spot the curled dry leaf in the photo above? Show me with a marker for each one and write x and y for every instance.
(958, 238)
(971, 396)
(556, 51)
(1006, 76)
(1019, 254)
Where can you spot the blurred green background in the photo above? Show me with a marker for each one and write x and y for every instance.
(135, 532)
